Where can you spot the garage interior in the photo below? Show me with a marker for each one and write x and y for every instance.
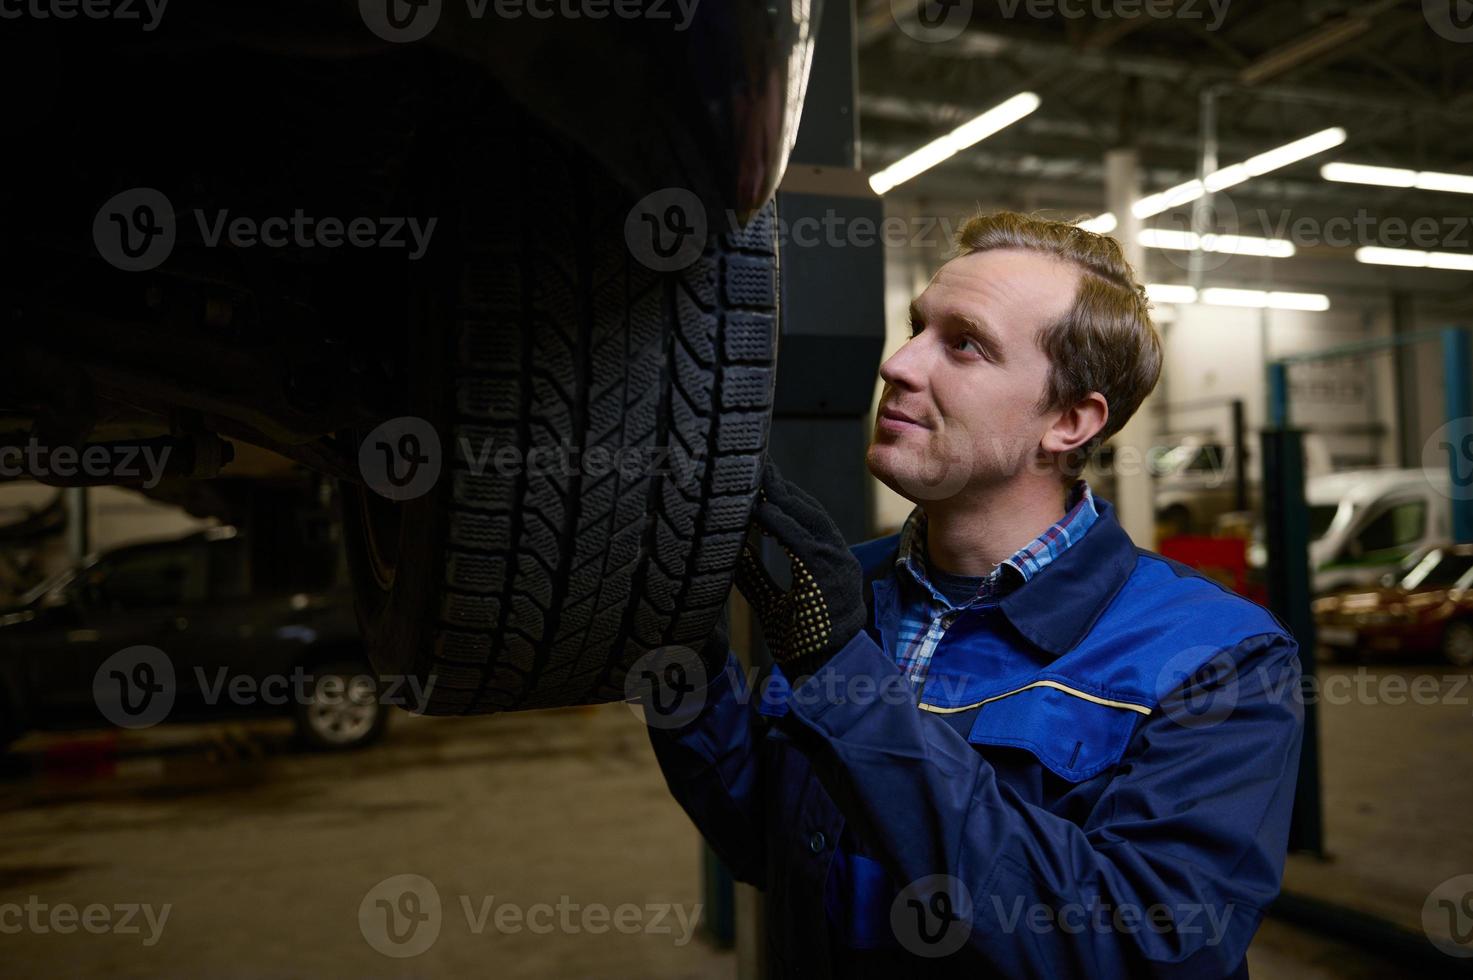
(1292, 182)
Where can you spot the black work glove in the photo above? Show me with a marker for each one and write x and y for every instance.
(824, 609)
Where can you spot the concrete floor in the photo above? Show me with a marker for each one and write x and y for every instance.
(266, 855)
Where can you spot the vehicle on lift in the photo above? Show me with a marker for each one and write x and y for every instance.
(511, 281)
(198, 609)
(1425, 606)
(1363, 523)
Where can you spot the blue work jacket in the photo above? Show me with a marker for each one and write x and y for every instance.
(1095, 780)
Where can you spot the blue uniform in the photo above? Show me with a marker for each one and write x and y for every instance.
(1095, 779)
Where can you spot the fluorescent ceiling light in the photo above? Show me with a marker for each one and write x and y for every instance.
(1360, 173)
(1250, 298)
(1259, 299)
(965, 135)
(1415, 258)
(1425, 180)
(1186, 241)
(1164, 292)
(1255, 166)
(1100, 224)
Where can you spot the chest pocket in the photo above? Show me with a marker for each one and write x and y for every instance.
(1076, 734)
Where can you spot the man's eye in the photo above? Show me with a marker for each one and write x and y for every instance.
(961, 342)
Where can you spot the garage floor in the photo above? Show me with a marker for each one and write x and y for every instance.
(265, 855)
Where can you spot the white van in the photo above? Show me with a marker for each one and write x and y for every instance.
(1363, 522)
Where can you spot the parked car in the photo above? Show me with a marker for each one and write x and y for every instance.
(194, 620)
(1194, 482)
(1363, 523)
(1425, 606)
(394, 240)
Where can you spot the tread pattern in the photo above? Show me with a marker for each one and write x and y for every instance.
(557, 579)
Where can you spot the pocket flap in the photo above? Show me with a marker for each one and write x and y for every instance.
(1074, 733)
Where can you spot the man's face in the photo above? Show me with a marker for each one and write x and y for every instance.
(971, 377)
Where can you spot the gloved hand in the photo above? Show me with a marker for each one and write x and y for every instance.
(809, 623)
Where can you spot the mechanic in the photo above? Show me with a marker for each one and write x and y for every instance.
(1090, 764)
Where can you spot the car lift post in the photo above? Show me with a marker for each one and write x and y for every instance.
(1286, 520)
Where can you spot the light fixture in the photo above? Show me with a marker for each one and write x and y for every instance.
(1160, 292)
(1414, 258)
(1165, 292)
(965, 135)
(1255, 166)
(1187, 241)
(1423, 180)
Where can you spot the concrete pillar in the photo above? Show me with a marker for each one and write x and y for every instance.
(1133, 489)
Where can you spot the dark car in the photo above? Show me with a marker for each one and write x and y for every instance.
(394, 241)
(1425, 606)
(190, 629)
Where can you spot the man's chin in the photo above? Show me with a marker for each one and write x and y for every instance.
(917, 476)
(895, 467)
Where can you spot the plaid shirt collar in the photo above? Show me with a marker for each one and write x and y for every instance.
(1025, 563)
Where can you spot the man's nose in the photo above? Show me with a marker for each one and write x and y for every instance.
(906, 367)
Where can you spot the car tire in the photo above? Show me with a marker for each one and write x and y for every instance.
(1457, 643)
(343, 709)
(504, 588)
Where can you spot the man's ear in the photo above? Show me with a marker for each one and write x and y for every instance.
(1077, 425)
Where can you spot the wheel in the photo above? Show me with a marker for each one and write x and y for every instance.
(1457, 643)
(541, 336)
(343, 709)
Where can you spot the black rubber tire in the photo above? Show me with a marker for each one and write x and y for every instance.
(508, 592)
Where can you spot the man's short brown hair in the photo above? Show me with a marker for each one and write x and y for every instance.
(1106, 342)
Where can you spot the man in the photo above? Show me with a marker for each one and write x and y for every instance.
(1006, 741)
